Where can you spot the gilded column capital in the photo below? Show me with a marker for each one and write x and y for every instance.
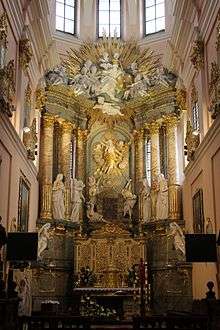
(48, 119)
(67, 127)
(3, 30)
(82, 134)
(153, 127)
(170, 121)
(138, 134)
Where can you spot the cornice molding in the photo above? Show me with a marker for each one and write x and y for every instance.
(15, 16)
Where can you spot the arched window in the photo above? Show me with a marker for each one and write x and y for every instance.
(56, 148)
(109, 18)
(154, 16)
(73, 157)
(195, 116)
(66, 16)
(195, 108)
(148, 160)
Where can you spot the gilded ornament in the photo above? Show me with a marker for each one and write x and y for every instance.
(181, 98)
(7, 87)
(82, 134)
(197, 54)
(28, 93)
(214, 77)
(218, 33)
(25, 53)
(111, 157)
(111, 74)
(30, 140)
(192, 141)
(194, 94)
(153, 127)
(214, 90)
(48, 119)
(170, 121)
(67, 127)
(40, 99)
(3, 30)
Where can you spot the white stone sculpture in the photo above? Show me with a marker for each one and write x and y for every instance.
(77, 197)
(56, 76)
(58, 191)
(22, 280)
(93, 189)
(130, 199)
(30, 139)
(178, 237)
(162, 198)
(104, 61)
(43, 238)
(145, 196)
(111, 109)
(154, 195)
(13, 225)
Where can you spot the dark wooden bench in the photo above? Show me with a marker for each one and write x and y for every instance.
(171, 322)
(53, 322)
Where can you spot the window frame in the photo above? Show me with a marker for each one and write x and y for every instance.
(144, 20)
(195, 116)
(97, 20)
(147, 157)
(64, 17)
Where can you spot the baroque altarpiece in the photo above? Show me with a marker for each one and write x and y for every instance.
(109, 176)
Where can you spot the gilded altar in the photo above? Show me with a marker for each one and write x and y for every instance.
(109, 172)
(110, 252)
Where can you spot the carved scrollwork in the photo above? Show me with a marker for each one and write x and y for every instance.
(7, 88)
(25, 53)
(192, 141)
(197, 54)
(214, 90)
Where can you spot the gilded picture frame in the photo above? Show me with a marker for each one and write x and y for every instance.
(23, 205)
(198, 213)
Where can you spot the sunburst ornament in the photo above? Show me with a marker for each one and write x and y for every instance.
(112, 74)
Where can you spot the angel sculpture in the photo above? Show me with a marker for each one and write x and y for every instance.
(43, 238)
(130, 199)
(93, 189)
(13, 225)
(178, 237)
(30, 140)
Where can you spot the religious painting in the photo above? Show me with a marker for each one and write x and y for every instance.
(198, 214)
(23, 205)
